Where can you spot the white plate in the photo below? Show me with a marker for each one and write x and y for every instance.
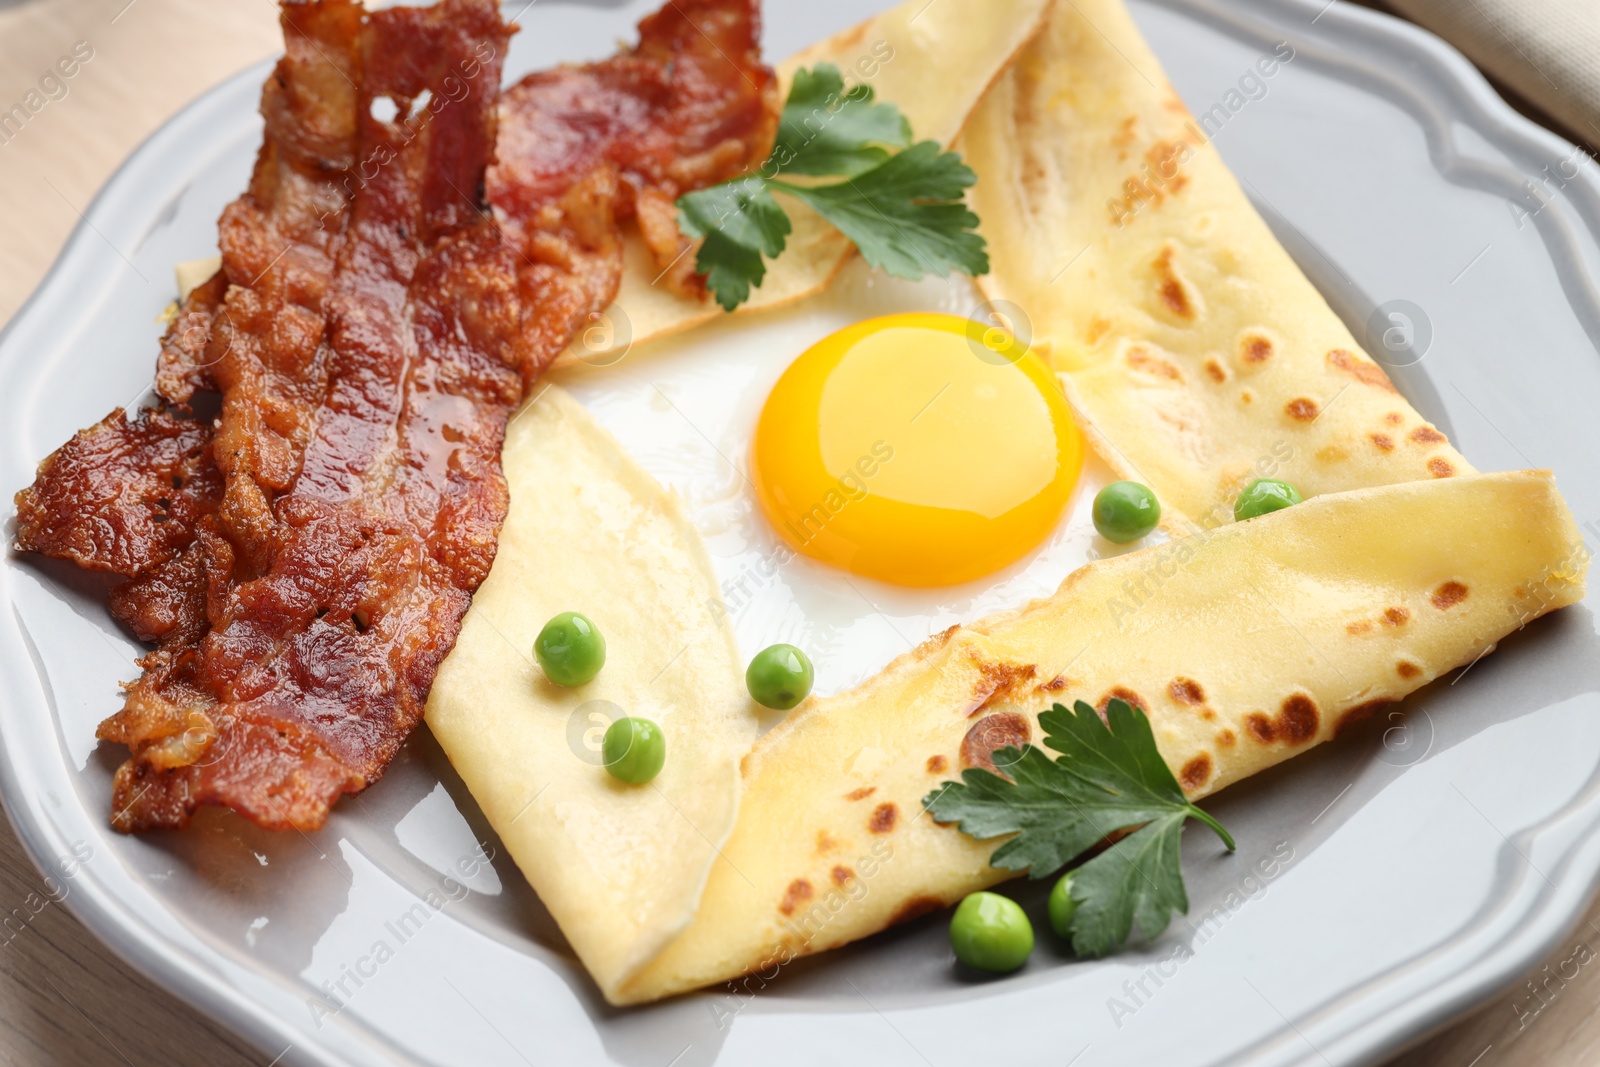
(1419, 866)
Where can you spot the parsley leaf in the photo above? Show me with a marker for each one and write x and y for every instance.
(1137, 878)
(906, 215)
(1110, 777)
(825, 130)
(739, 221)
(904, 211)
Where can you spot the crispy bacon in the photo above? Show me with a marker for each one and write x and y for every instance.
(304, 562)
(364, 335)
(582, 147)
(123, 495)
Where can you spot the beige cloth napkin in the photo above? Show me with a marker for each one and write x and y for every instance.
(1547, 50)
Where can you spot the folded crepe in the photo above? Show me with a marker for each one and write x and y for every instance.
(933, 61)
(1196, 352)
(1245, 647)
(620, 867)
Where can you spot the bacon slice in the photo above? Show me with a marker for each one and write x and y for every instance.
(364, 335)
(583, 147)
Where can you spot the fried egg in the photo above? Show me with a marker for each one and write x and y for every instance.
(984, 510)
(921, 449)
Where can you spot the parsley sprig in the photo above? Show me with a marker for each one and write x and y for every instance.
(901, 203)
(1110, 777)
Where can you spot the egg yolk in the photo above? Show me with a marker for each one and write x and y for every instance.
(918, 449)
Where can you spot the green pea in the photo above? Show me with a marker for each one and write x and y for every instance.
(570, 649)
(1262, 496)
(1062, 906)
(991, 933)
(779, 677)
(1125, 511)
(634, 750)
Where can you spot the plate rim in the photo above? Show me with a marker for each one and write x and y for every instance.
(1443, 77)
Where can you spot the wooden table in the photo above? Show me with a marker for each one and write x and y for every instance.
(64, 998)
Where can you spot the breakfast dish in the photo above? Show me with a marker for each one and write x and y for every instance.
(408, 499)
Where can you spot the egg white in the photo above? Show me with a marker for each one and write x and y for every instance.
(685, 409)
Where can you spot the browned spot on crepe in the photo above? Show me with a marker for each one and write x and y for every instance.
(1255, 348)
(1298, 719)
(1440, 467)
(1119, 692)
(1142, 360)
(1196, 772)
(1360, 713)
(1186, 691)
(1301, 408)
(1003, 729)
(1426, 435)
(862, 793)
(1449, 595)
(883, 817)
(1362, 370)
(937, 641)
(799, 891)
(1165, 157)
(1174, 294)
(1297, 722)
(998, 681)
